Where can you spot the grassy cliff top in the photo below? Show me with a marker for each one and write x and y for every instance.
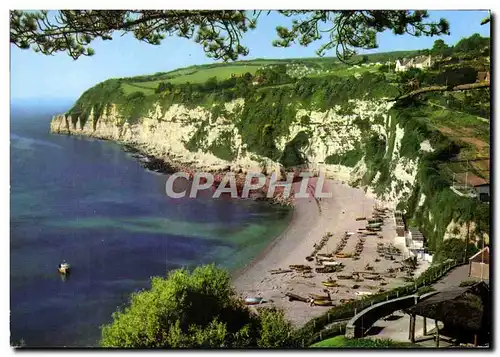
(201, 73)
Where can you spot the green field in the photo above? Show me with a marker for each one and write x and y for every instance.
(192, 76)
(145, 87)
(223, 71)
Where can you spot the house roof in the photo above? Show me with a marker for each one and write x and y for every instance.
(482, 184)
(470, 179)
(464, 308)
(482, 256)
(404, 61)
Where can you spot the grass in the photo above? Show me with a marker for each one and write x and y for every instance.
(200, 73)
(343, 342)
(459, 121)
(129, 88)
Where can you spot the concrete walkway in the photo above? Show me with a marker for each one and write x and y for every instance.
(397, 326)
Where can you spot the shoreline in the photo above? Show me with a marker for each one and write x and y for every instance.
(310, 222)
(268, 249)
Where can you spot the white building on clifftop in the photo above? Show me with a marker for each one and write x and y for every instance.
(420, 62)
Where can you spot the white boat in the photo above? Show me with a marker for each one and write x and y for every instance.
(64, 268)
(327, 263)
(253, 300)
(363, 293)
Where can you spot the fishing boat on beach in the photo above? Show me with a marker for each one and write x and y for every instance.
(321, 302)
(332, 263)
(363, 293)
(374, 225)
(254, 300)
(330, 283)
(321, 297)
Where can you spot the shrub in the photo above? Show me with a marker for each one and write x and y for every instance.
(467, 283)
(275, 330)
(194, 310)
(197, 309)
(424, 290)
(454, 248)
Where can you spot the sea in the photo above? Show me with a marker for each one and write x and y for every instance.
(91, 203)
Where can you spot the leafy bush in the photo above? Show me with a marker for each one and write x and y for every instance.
(292, 154)
(350, 158)
(424, 290)
(197, 309)
(454, 249)
(275, 329)
(465, 283)
(194, 310)
(453, 77)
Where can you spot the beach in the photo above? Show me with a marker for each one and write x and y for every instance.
(312, 220)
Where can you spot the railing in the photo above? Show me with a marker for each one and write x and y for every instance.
(315, 331)
(362, 322)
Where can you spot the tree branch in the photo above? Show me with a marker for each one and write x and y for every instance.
(468, 86)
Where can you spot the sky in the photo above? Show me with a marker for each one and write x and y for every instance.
(36, 76)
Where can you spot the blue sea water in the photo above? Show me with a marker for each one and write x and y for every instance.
(92, 204)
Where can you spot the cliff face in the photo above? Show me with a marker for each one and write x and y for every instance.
(365, 143)
(167, 134)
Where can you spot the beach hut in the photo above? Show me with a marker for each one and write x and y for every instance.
(479, 264)
(465, 313)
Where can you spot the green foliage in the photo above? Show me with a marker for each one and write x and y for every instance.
(441, 204)
(465, 283)
(387, 68)
(425, 289)
(375, 149)
(454, 249)
(266, 117)
(292, 154)
(275, 74)
(222, 146)
(349, 158)
(440, 48)
(275, 329)
(218, 32)
(472, 45)
(194, 310)
(194, 143)
(197, 309)
(452, 77)
(358, 26)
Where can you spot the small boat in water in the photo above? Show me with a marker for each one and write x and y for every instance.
(64, 268)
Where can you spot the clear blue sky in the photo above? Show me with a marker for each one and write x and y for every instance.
(52, 77)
